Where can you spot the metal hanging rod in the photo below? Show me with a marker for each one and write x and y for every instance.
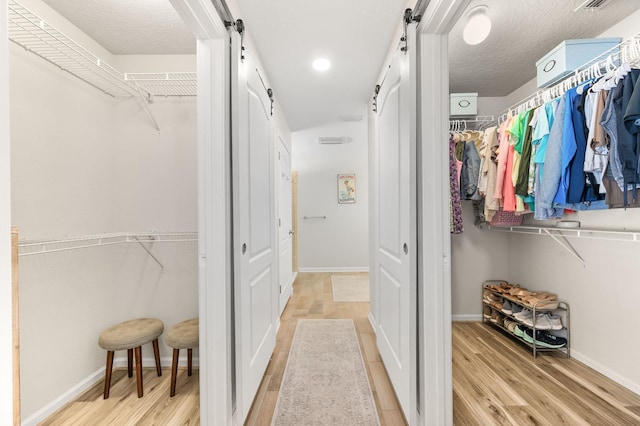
(471, 123)
(314, 217)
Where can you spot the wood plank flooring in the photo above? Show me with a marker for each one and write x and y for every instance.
(496, 381)
(125, 408)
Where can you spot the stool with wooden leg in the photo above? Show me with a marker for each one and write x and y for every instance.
(184, 335)
(130, 336)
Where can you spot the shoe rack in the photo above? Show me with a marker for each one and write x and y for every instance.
(497, 294)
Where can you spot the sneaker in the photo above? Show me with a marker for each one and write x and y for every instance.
(549, 340)
(523, 315)
(556, 322)
(506, 307)
(544, 339)
(548, 322)
(515, 309)
(521, 331)
(543, 322)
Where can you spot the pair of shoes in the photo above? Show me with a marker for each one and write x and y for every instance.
(510, 325)
(506, 307)
(544, 339)
(546, 321)
(500, 287)
(486, 312)
(542, 300)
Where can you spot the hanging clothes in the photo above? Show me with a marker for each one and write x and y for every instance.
(550, 176)
(490, 171)
(455, 206)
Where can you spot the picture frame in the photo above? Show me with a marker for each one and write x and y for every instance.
(346, 188)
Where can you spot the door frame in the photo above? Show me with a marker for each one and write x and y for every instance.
(214, 209)
(434, 262)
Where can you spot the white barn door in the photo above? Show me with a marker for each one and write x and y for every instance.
(255, 252)
(396, 257)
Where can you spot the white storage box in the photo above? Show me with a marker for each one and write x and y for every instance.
(463, 104)
(570, 55)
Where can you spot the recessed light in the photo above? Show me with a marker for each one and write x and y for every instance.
(321, 64)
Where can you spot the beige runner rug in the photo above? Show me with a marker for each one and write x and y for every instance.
(325, 381)
(350, 288)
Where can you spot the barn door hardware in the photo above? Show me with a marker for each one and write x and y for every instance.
(407, 19)
(270, 93)
(375, 98)
(240, 29)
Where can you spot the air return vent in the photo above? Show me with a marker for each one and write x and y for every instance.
(333, 140)
(592, 5)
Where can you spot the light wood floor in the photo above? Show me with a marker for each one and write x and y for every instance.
(496, 381)
(125, 408)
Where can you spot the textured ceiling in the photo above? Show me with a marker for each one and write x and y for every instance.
(355, 36)
(129, 27)
(523, 31)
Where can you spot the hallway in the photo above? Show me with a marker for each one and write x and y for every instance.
(312, 299)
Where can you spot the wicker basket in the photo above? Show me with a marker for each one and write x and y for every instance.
(502, 218)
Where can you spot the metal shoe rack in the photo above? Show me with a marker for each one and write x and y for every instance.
(563, 310)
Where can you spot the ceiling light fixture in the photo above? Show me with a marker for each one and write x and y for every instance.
(321, 64)
(478, 25)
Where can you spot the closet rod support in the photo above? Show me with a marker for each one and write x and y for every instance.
(146, 99)
(566, 245)
(150, 254)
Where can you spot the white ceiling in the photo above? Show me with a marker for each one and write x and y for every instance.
(355, 35)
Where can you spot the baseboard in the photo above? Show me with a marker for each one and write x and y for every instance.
(466, 318)
(63, 399)
(336, 269)
(616, 377)
(372, 321)
(91, 380)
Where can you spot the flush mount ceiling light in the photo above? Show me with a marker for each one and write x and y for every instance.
(321, 64)
(478, 25)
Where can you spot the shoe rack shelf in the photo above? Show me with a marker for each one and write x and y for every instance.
(493, 315)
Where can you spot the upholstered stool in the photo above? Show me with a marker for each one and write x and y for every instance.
(131, 335)
(184, 335)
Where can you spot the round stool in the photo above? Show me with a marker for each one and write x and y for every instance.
(131, 335)
(184, 335)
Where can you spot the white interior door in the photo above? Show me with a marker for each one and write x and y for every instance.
(395, 263)
(255, 267)
(285, 228)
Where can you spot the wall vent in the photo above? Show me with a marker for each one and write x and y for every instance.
(333, 140)
(592, 5)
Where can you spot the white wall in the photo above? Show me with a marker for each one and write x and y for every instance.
(477, 255)
(6, 342)
(84, 163)
(341, 241)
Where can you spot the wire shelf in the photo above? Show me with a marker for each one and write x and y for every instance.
(35, 35)
(165, 84)
(32, 247)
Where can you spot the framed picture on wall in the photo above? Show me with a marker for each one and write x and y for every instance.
(347, 188)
